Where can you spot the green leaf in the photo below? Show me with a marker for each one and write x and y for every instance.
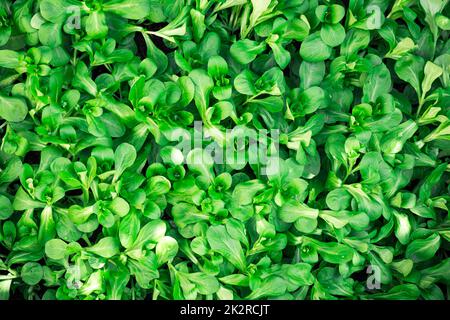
(82, 79)
(106, 247)
(410, 69)
(119, 206)
(308, 101)
(32, 273)
(430, 181)
(377, 83)
(205, 284)
(435, 273)
(400, 292)
(9, 59)
(394, 141)
(55, 249)
(129, 229)
(432, 72)
(311, 74)
(96, 27)
(144, 269)
(185, 214)
(332, 34)
(272, 286)
(203, 86)
(151, 232)
(47, 229)
(245, 51)
(271, 104)
(423, 249)
(117, 280)
(198, 23)
(217, 67)
(200, 162)
(334, 283)
(6, 208)
(297, 29)
(355, 40)
(338, 199)
(402, 228)
(331, 14)
(245, 83)
(259, 7)
(13, 109)
(66, 229)
(332, 252)
(54, 11)
(313, 49)
(5, 286)
(402, 48)
(166, 249)
(129, 9)
(22, 201)
(291, 212)
(221, 242)
(124, 157)
(281, 55)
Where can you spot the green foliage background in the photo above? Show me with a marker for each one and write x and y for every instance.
(97, 202)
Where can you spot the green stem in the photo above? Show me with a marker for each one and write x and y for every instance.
(85, 196)
(253, 97)
(85, 238)
(421, 103)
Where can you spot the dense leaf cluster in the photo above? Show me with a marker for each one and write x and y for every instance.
(97, 200)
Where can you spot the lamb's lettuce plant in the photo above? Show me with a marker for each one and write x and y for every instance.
(224, 149)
